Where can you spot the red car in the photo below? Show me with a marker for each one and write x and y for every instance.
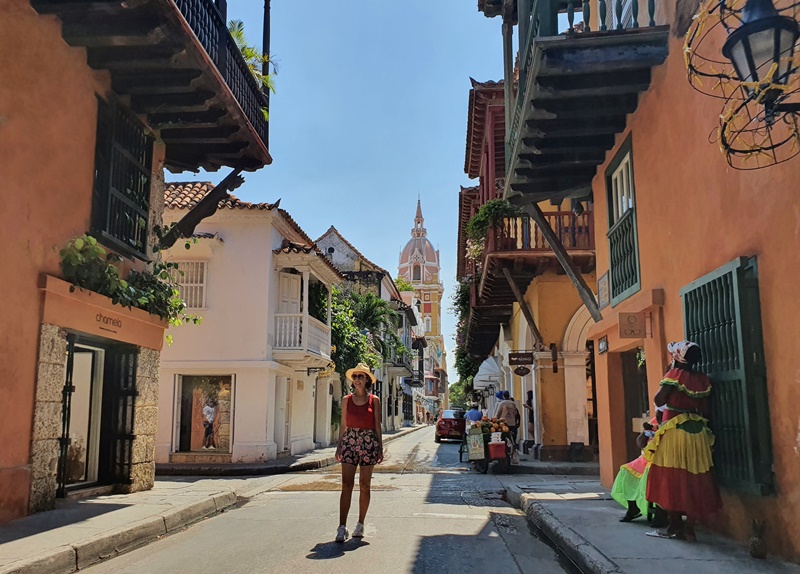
(450, 425)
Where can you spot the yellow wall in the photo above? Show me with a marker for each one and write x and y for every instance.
(553, 301)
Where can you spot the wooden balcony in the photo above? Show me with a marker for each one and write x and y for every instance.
(301, 340)
(178, 67)
(575, 90)
(517, 245)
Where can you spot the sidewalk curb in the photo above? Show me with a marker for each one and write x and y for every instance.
(82, 554)
(265, 470)
(586, 557)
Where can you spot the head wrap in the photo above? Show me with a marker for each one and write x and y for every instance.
(678, 350)
(499, 395)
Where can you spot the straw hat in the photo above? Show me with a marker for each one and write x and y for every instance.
(360, 368)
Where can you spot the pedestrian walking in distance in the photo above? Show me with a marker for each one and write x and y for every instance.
(360, 445)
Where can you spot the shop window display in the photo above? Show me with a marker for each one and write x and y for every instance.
(205, 413)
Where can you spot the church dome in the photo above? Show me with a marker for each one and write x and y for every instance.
(419, 260)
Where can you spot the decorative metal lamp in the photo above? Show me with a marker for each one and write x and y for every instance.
(762, 48)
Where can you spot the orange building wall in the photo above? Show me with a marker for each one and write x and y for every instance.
(694, 214)
(47, 133)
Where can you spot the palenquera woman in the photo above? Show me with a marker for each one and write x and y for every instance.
(681, 478)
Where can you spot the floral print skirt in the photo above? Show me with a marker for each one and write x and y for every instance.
(360, 447)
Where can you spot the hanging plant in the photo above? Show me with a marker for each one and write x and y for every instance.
(87, 265)
(489, 214)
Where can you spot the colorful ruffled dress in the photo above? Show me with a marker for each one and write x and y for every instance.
(631, 481)
(681, 477)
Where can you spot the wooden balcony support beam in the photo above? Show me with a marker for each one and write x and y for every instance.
(523, 305)
(563, 257)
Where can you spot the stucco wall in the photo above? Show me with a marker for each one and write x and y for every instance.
(47, 166)
(239, 276)
(694, 214)
(254, 390)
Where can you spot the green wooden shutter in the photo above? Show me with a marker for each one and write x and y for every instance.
(722, 314)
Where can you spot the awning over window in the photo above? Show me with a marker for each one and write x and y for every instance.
(489, 374)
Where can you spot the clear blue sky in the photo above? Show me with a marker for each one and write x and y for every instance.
(371, 110)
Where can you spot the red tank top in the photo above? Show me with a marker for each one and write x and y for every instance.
(360, 417)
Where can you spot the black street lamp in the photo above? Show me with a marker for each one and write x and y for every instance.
(764, 40)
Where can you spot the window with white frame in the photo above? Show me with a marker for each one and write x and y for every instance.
(621, 189)
(622, 231)
(191, 278)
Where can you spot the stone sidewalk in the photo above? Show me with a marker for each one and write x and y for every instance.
(79, 533)
(582, 520)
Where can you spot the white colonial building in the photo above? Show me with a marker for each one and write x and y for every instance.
(248, 384)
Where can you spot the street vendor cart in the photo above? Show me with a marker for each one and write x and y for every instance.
(489, 446)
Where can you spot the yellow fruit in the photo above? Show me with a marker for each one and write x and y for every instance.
(494, 420)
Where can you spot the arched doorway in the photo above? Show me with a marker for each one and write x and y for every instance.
(579, 385)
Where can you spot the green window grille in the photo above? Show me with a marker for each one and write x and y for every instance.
(122, 182)
(622, 235)
(722, 314)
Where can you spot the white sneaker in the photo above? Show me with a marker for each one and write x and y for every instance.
(359, 531)
(342, 534)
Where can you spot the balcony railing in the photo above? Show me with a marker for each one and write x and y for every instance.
(576, 232)
(539, 18)
(319, 337)
(208, 21)
(290, 329)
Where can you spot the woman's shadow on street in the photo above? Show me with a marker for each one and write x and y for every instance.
(328, 550)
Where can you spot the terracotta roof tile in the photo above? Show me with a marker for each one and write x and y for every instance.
(185, 195)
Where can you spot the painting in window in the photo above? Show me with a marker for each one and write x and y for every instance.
(205, 413)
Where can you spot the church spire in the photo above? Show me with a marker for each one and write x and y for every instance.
(419, 229)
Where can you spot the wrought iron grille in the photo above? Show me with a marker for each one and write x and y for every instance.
(205, 21)
(624, 256)
(119, 396)
(722, 315)
(123, 177)
(208, 23)
(191, 279)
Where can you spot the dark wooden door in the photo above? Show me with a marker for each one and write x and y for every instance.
(636, 401)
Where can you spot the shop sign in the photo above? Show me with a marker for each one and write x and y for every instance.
(602, 345)
(520, 358)
(521, 371)
(603, 291)
(631, 325)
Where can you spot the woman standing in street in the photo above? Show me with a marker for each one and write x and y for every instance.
(681, 478)
(360, 444)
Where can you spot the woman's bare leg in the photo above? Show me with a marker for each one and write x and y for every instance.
(364, 483)
(348, 481)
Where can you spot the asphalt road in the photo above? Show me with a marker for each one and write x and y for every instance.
(428, 514)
